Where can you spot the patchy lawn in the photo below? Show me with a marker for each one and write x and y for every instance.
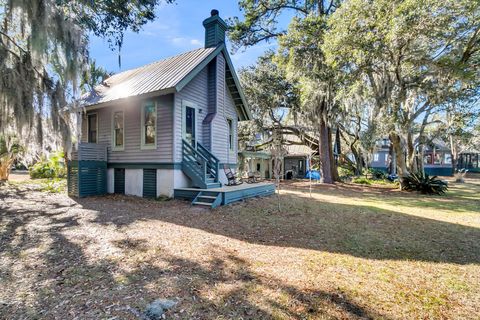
(348, 252)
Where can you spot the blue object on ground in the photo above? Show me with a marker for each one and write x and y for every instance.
(392, 177)
(315, 175)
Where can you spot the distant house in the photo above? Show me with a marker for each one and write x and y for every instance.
(469, 160)
(294, 160)
(165, 126)
(437, 157)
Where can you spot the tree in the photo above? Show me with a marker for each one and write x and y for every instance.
(413, 55)
(44, 48)
(44, 51)
(300, 54)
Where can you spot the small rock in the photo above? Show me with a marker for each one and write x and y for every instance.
(156, 309)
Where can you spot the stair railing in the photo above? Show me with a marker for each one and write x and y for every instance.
(195, 161)
(213, 164)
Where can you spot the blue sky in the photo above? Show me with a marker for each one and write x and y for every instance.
(177, 28)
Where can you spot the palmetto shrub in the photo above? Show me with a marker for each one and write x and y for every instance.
(52, 167)
(424, 184)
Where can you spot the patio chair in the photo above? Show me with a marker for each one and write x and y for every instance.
(253, 177)
(232, 179)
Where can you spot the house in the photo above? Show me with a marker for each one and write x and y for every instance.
(164, 128)
(437, 157)
(469, 160)
(294, 158)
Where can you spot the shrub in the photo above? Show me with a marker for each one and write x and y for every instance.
(345, 172)
(377, 174)
(53, 167)
(424, 184)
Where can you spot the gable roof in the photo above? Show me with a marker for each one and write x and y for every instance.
(166, 76)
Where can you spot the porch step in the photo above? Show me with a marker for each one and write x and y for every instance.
(208, 199)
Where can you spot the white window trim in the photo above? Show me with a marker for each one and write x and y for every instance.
(185, 104)
(114, 147)
(231, 147)
(88, 127)
(144, 146)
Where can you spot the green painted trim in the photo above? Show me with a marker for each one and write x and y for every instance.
(199, 68)
(145, 165)
(247, 114)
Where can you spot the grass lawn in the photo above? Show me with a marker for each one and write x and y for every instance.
(347, 252)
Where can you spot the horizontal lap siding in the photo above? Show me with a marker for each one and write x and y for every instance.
(195, 92)
(226, 110)
(132, 127)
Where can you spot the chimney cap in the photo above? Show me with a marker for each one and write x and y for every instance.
(214, 12)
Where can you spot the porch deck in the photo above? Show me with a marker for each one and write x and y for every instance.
(229, 194)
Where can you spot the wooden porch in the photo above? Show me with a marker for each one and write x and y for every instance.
(213, 197)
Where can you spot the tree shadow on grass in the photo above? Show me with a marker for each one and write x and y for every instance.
(62, 281)
(357, 230)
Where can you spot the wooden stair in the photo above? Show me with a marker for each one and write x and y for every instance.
(201, 166)
(210, 199)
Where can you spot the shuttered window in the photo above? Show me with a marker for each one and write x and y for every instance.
(150, 183)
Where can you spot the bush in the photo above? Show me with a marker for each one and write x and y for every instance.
(377, 174)
(424, 184)
(345, 172)
(53, 167)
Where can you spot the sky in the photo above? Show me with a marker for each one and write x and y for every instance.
(178, 28)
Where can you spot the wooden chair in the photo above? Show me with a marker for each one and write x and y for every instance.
(232, 179)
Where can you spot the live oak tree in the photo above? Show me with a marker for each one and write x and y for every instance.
(413, 55)
(300, 54)
(43, 53)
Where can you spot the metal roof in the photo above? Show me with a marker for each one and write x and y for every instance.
(154, 77)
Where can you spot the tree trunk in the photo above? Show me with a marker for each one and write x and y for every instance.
(324, 152)
(358, 160)
(399, 157)
(333, 163)
(411, 165)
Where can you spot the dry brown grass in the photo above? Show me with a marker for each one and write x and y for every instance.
(348, 252)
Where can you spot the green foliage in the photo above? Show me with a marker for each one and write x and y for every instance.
(344, 172)
(54, 167)
(55, 185)
(377, 174)
(424, 184)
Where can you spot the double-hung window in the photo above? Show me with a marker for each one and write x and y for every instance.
(149, 126)
(118, 130)
(92, 128)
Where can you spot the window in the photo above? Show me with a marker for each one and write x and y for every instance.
(376, 157)
(92, 127)
(230, 134)
(149, 126)
(448, 158)
(118, 131)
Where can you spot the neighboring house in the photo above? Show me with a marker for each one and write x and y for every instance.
(437, 158)
(294, 160)
(469, 160)
(167, 125)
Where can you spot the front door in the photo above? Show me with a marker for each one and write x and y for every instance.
(190, 130)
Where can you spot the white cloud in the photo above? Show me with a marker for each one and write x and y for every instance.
(195, 42)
